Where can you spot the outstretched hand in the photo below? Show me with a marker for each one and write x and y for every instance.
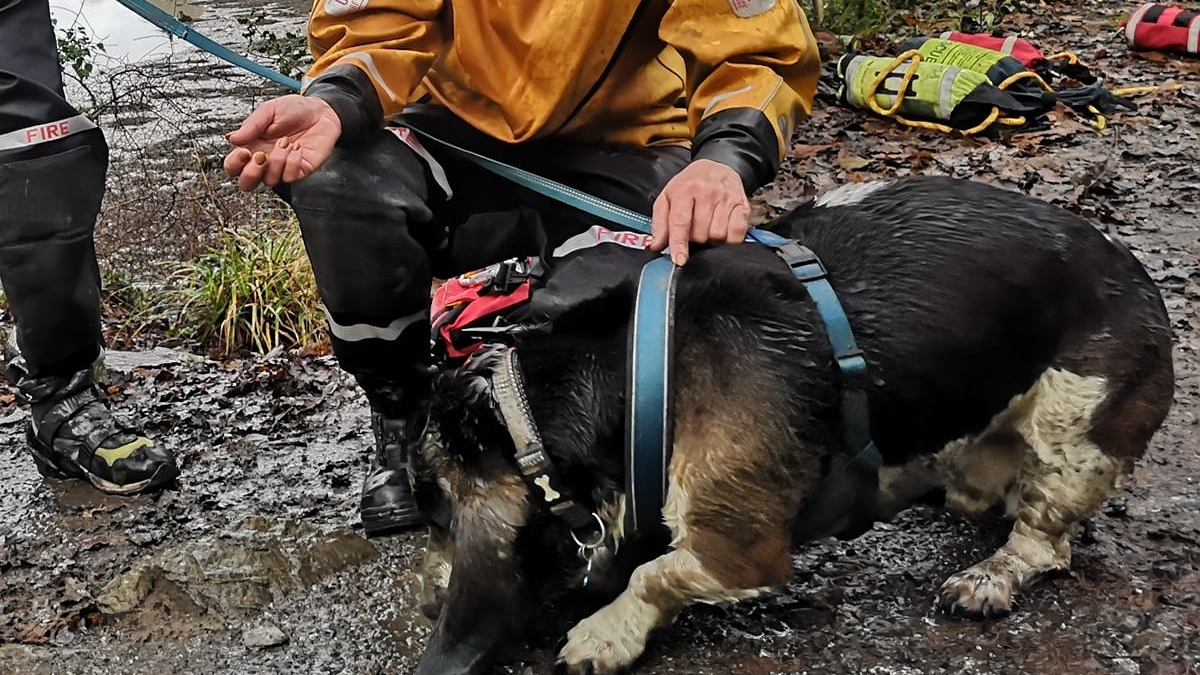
(283, 140)
(704, 203)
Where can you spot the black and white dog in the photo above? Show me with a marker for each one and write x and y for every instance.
(1018, 356)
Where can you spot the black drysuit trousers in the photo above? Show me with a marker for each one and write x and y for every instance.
(52, 167)
(378, 226)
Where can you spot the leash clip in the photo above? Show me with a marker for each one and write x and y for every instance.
(587, 549)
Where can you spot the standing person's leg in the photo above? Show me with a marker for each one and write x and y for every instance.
(52, 168)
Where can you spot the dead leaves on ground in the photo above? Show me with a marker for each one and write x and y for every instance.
(1071, 162)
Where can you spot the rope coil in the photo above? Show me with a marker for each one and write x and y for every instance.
(914, 57)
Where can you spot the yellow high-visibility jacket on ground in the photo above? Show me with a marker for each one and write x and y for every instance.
(730, 78)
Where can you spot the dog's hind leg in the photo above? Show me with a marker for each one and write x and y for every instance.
(1063, 477)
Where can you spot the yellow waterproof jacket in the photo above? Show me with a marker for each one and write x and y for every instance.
(731, 78)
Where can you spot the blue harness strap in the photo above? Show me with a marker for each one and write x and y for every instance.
(809, 271)
(649, 412)
(853, 479)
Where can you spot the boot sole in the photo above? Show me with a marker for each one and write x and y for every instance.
(44, 459)
(385, 519)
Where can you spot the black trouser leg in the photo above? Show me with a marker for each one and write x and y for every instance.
(366, 227)
(52, 168)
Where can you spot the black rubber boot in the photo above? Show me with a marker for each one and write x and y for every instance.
(387, 497)
(72, 433)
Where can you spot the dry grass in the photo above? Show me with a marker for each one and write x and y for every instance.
(253, 291)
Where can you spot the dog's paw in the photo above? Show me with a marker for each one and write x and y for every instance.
(602, 644)
(981, 591)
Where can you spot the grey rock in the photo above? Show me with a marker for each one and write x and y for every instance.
(264, 636)
(125, 362)
(1125, 666)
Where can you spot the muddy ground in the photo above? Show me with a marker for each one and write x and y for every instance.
(255, 562)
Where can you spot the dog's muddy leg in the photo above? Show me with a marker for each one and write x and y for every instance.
(615, 636)
(1062, 479)
(730, 505)
(436, 567)
(901, 486)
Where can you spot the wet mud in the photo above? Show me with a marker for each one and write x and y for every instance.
(255, 562)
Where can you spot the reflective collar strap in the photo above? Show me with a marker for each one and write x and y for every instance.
(539, 472)
(649, 406)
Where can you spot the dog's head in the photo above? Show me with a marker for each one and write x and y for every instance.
(494, 552)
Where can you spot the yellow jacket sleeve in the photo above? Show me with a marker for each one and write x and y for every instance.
(371, 54)
(751, 74)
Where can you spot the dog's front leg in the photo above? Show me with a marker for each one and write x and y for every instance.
(719, 554)
(615, 636)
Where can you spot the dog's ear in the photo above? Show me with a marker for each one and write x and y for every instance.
(465, 413)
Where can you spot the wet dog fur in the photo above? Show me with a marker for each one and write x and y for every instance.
(1019, 357)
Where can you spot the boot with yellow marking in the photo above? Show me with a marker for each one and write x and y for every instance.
(72, 433)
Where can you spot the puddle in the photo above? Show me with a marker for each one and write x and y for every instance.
(246, 569)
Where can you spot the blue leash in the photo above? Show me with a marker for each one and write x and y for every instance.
(649, 432)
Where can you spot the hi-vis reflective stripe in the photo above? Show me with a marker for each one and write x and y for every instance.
(372, 71)
(364, 331)
(597, 235)
(410, 139)
(1131, 27)
(44, 133)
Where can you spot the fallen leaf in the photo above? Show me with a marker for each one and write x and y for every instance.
(804, 150)
(1157, 57)
(852, 162)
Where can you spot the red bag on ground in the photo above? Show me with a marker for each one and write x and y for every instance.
(1018, 48)
(1163, 28)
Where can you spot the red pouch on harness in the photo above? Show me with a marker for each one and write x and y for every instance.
(1155, 27)
(465, 307)
(495, 303)
(1018, 48)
